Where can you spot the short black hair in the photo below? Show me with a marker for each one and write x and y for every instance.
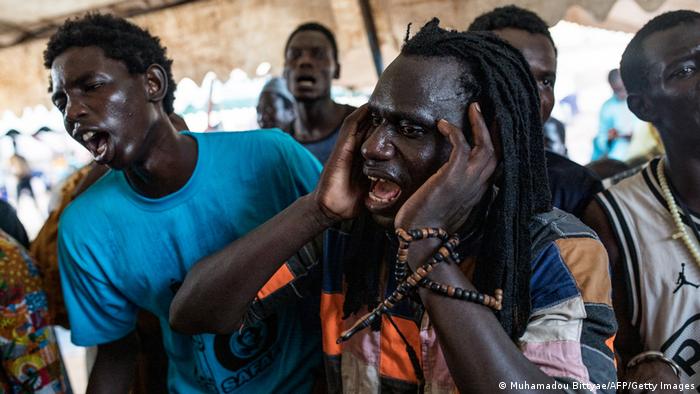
(315, 26)
(634, 68)
(514, 17)
(613, 75)
(501, 81)
(120, 40)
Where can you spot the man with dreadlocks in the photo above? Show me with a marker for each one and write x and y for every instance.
(572, 185)
(649, 222)
(489, 283)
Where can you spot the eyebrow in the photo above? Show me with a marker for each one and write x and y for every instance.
(401, 115)
(78, 81)
(692, 53)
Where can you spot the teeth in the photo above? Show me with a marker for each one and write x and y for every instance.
(376, 198)
(88, 135)
(375, 179)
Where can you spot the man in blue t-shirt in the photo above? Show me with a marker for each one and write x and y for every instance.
(170, 200)
(617, 123)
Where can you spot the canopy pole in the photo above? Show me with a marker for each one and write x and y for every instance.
(368, 19)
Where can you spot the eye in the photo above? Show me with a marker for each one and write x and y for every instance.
(293, 53)
(376, 119)
(410, 130)
(317, 53)
(683, 72)
(547, 82)
(93, 86)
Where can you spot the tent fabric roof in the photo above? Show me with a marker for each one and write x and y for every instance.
(219, 35)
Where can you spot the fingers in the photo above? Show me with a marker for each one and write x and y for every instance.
(356, 122)
(482, 137)
(456, 137)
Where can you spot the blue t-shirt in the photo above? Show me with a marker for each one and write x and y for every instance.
(120, 251)
(614, 114)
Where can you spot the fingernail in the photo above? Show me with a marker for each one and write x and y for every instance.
(478, 107)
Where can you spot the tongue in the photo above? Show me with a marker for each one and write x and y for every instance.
(386, 190)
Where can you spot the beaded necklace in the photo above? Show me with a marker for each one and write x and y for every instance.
(675, 214)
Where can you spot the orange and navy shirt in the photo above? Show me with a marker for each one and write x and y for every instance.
(569, 335)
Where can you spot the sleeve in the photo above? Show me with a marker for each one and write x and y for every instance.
(98, 312)
(31, 361)
(572, 327)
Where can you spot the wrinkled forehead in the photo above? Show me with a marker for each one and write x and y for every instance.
(431, 88)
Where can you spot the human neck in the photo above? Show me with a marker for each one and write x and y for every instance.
(317, 119)
(683, 169)
(167, 165)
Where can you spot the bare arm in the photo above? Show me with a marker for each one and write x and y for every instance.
(218, 289)
(115, 366)
(233, 276)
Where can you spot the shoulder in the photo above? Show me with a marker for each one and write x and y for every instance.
(558, 164)
(566, 173)
(631, 193)
(557, 224)
(255, 145)
(91, 205)
(561, 241)
(252, 137)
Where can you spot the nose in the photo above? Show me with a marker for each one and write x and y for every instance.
(378, 145)
(74, 112)
(305, 59)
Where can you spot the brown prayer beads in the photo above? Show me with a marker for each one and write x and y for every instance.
(494, 302)
(408, 283)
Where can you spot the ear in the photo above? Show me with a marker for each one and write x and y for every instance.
(156, 82)
(641, 107)
(336, 74)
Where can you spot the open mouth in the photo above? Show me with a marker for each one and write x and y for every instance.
(97, 143)
(306, 82)
(382, 193)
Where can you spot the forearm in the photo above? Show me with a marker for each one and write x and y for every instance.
(218, 289)
(478, 351)
(115, 366)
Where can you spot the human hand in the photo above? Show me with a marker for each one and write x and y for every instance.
(447, 198)
(341, 188)
(650, 371)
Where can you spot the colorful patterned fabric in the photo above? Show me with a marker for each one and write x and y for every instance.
(569, 335)
(30, 358)
(44, 248)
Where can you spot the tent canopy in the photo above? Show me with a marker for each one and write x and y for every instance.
(220, 35)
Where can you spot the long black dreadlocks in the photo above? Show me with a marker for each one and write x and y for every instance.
(508, 97)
